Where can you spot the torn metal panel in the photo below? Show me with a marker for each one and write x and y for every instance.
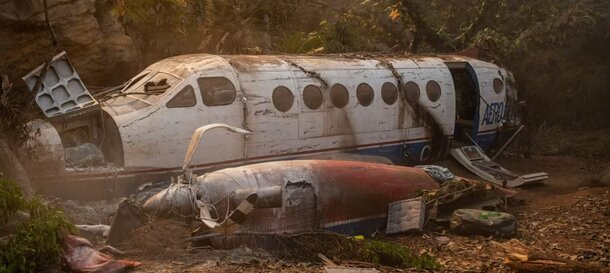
(406, 215)
(62, 89)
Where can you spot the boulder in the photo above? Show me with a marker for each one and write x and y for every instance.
(95, 41)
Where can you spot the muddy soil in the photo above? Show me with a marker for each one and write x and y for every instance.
(565, 218)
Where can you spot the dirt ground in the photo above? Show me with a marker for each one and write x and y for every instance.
(566, 218)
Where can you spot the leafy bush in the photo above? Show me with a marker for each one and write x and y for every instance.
(36, 245)
(395, 255)
(11, 199)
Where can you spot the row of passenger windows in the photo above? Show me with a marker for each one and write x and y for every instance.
(221, 91)
(283, 98)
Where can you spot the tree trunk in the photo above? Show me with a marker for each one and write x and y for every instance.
(436, 41)
(10, 167)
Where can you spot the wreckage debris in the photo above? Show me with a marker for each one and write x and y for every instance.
(464, 193)
(296, 196)
(340, 196)
(439, 173)
(481, 222)
(406, 215)
(475, 160)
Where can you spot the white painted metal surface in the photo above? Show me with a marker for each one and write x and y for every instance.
(478, 163)
(155, 136)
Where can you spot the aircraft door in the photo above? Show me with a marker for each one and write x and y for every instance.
(221, 102)
(467, 101)
(491, 105)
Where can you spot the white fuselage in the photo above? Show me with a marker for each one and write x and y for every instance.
(157, 136)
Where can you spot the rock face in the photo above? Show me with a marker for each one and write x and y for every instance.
(95, 42)
(604, 178)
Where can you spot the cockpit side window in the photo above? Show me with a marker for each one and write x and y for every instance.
(216, 91)
(135, 80)
(184, 98)
(142, 92)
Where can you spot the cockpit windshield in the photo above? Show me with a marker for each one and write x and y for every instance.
(144, 90)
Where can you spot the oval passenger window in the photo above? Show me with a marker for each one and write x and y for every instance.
(365, 94)
(433, 90)
(389, 93)
(216, 91)
(339, 95)
(312, 97)
(282, 98)
(498, 85)
(412, 92)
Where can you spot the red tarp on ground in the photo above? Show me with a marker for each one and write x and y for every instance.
(82, 257)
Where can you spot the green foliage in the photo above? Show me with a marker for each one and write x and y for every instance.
(232, 27)
(160, 28)
(395, 255)
(301, 42)
(341, 36)
(36, 245)
(346, 34)
(11, 199)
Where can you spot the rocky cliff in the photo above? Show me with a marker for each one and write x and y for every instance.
(95, 42)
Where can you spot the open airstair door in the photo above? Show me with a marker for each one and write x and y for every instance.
(62, 90)
(473, 158)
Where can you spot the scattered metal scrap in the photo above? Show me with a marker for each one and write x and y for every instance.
(406, 215)
(462, 193)
(480, 222)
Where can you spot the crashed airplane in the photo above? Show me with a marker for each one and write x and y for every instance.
(408, 109)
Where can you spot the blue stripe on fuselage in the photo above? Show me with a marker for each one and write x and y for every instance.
(396, 153)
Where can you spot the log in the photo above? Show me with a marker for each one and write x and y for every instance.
(520, 259)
